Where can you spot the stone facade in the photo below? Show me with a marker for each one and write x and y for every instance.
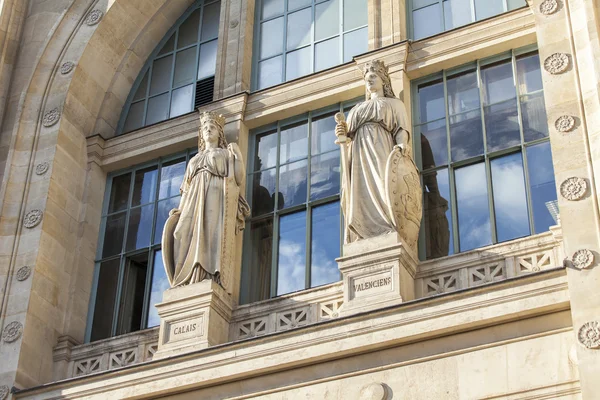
(514, 320)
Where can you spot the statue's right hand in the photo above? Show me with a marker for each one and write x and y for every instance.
(174, 211)
(341, 129)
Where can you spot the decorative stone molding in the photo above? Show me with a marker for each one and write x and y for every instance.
(373, 391)
(51, 117)
(233, 24)
(589, 335)
(67, 67)
(23, 273)
(42, 168)
(557, 63)
(582, 259)
(33, 218)
(4, 390)
(12, 332)
(573, 188)
(565, 123)
(549, 7)
(93, 17)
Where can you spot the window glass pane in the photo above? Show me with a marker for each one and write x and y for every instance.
(271, 8)
(463, 92)
(210, 21)
(502, 126)
(514, 4)
(158, 109)
(263, 190)
(325, 244)
(542, 185)
(132, 294)
(528, 74)
(327, 19)
(292, 253)
(181, 100)
(535, 120)
(269, 72)
(171, 177)
(294, 143)
(135, 117)
(456, 13)
(355, 43)
(141, 91)
(466, 135)
(168, 46)
(144, 186)
(297, 63)
(271, 34)
(498, 83)
(259, 259)
(119, 193)
(296, 4)
(427, 21)
(323, 134)
(355, 14)
(140, 227)
(161, 75)
(431, 101)
(422, 3)
(266, 151)
(292, 184)
(160, 283)
(113, 234)
(185, 64)
(473, 210)
(299, 25)
(437, 221)
(208, 60)
(106, 293)
(434, 148)
(325, 175)
(327, 54)
(188, 32)
(510, 201)
(164, 207)
(488, 8)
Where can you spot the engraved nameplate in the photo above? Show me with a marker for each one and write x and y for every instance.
(372, 285)
(186, 329)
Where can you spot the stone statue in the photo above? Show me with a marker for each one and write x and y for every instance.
(381, 190)
(198, 239)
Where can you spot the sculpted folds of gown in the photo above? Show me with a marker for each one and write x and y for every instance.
(197, 238)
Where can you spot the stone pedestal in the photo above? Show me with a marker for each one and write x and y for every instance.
(193, 317)
(377, 272)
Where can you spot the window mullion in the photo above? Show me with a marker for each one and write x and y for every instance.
(275, 249)
(308, 247)
(284, 47)
(147, 289)
(117, 306)
(451, 181)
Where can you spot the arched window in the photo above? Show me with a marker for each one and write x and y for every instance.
(179, 75)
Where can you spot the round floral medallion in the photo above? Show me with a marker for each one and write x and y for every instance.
(66, 67)
(51, 117)
(32, 218)
(233, 24)
(23, 273)
(589, 335)
(573, 188)
(565, 123)
(4, 390)
(583, 259)
(42, 168)
(93, 17)
(557, 63)
(373, 391)
(549, 7)
(12, 332)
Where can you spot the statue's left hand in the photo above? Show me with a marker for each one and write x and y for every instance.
(235, 149)
(404, 150)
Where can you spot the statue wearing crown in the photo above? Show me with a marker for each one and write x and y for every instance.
(381, 191)
(198, 240)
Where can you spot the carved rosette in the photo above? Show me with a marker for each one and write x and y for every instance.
(51, 117)
(93, 17)
(12, 332)
(583, 259)
(557, 63)
(4, 390)
(549, 7)
(32, 218)
(573, 188)
(23, 273)
(589, 334)
(373, 391)
(42, 168)
(67, 67)
(565, 123)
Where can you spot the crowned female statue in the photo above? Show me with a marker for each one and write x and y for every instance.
(381, 191)
(198, 238)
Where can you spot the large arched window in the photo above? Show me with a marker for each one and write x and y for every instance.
(179, 76)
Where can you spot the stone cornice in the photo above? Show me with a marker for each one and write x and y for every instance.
(407, 323)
